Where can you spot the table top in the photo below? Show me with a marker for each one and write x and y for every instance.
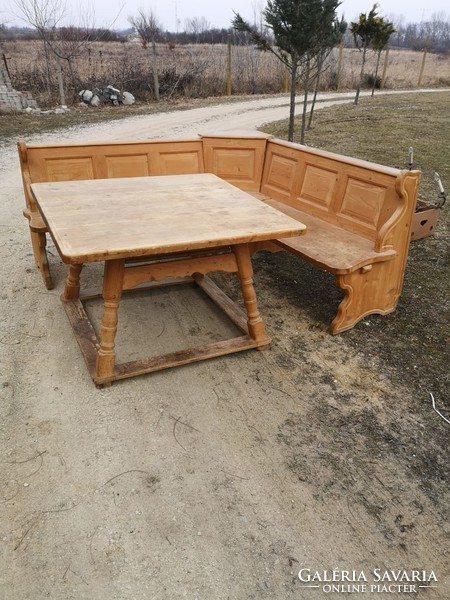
(104, 219)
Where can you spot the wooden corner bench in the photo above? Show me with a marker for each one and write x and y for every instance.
(358, 214)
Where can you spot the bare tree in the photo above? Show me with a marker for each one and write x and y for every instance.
(62, 44)
(258, 15)
(197, 26)
(45, 16)
(148, 30)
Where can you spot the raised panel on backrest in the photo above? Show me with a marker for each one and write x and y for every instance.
(237, 160)
(118, 159)
(369, 199)
(155, 158)
(282, 169)
(357, 195)
(306, 182)
(125, 165)
(54, 164)
(177, 158)
(360, 214)
(318, 187)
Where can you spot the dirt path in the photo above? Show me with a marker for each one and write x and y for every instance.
(220, 480)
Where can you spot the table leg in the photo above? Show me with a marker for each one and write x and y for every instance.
(72, 287)
(112, 292)
(245, 270)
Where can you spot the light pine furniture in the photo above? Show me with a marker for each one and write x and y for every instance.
(358, 214)
(185, 226)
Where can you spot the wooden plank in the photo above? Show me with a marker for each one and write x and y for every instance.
(330, 247)
(230, 308)
(89, 343)
(182, 357)
(154, 215)
(84, 332)
(91, 294)
(59, 162)
(139, 274)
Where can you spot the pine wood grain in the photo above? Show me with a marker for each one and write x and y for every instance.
(140, 216)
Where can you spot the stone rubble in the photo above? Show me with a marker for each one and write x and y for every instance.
(12, 100)
(108, 95)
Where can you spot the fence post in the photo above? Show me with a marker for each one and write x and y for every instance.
(229, 65)
(6, 65)
(422, 68)
(383, 76)
(339, 66)
(155, 71)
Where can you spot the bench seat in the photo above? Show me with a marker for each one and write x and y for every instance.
(328, 246)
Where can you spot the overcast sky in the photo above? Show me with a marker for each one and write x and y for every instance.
(173, 13)
(220, 12)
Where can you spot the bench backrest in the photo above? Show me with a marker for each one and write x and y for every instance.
(103, 161)
(238, 160)
(74, 162)
(359, 196)
(362, 197)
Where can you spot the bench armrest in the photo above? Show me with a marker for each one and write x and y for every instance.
(407, 187)
(36, 221)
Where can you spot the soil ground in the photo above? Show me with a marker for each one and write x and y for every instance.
(219, 480)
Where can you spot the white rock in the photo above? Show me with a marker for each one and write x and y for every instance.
(87, 95)
(128, 98)
(95, 101)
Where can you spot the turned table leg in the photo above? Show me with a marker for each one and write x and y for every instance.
(255, 323)
(112, 292)
(72, 287)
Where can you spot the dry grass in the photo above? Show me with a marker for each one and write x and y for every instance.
(403, 69)
(194, 71)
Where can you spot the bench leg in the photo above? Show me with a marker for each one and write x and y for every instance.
(39, 243)
(72, 287)
(367, 291)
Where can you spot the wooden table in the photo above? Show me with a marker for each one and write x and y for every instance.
(184, 226)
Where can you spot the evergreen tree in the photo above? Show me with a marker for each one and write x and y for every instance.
(299, 28)
(364, 33)
(380, 42)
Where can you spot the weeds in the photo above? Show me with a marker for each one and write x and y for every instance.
(197, 70)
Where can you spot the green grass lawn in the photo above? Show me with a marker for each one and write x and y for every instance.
(414, 342)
